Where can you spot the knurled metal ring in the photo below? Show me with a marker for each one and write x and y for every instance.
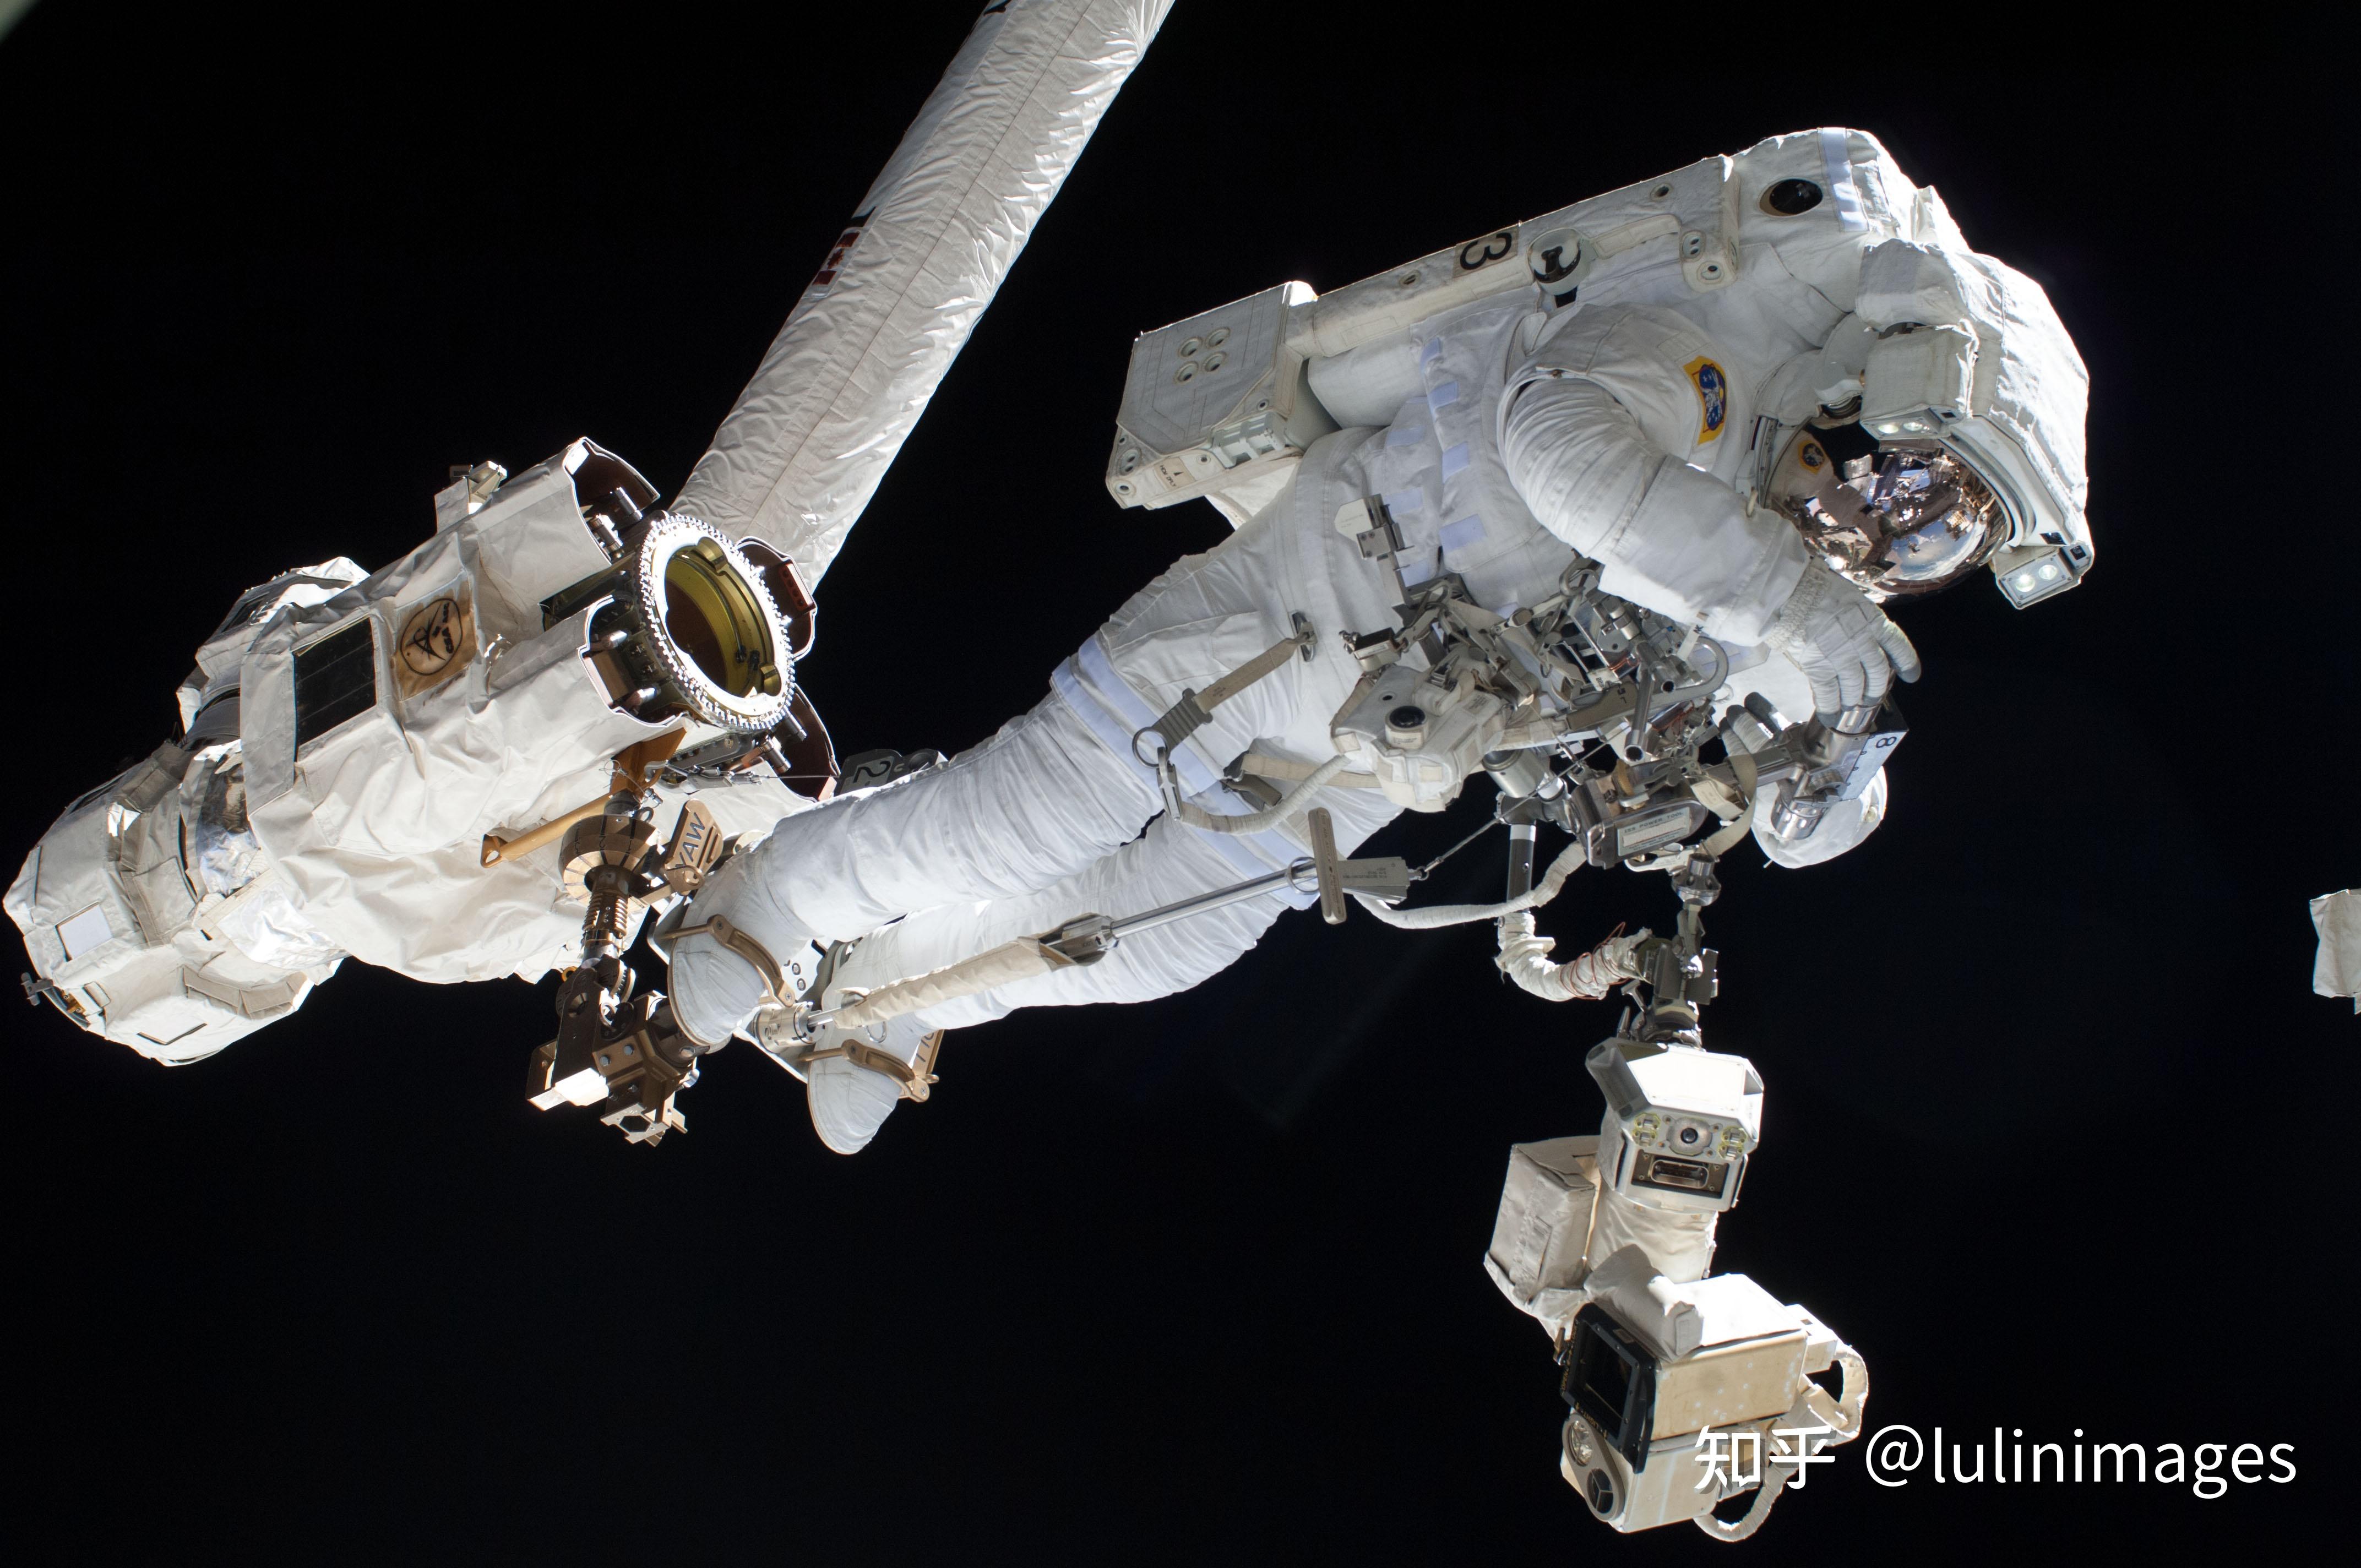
(712, 626)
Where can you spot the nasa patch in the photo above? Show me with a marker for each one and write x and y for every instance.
(1713, 397)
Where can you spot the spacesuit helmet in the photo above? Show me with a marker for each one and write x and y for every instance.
(1899, 518)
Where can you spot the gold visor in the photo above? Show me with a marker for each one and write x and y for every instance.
(1907, 517)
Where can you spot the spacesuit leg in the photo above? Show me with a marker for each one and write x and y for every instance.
(1168, 863)
(1039, 801)
(1053, 793)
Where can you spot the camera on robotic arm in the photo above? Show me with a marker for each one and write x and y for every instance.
(1685, 1390)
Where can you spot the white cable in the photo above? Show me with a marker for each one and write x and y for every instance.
(1291, 805)
(1843, 1414)
(1525, 959)
(1440, 914)
(1750, 1521)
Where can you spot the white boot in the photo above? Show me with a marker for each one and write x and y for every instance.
(851, 1096)
(718, 974)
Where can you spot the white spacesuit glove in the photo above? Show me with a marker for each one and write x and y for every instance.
(1843, 643)
(1844, 826)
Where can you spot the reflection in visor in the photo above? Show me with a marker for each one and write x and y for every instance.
(1904, 519)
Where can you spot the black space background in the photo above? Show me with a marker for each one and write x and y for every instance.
(2055, 1132)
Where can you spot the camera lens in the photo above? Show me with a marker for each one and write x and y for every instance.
(1578, 1446)
(1600, 1492)
(1791, 197)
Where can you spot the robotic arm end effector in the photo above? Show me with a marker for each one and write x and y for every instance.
(618, 1049)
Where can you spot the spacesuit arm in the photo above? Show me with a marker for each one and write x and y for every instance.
(1601, 433)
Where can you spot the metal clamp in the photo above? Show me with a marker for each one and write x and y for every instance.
(1194, 711)
(916, 1078)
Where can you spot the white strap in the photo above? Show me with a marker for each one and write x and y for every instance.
(1263, 821)
(1742, 764)
(1024, 959)
(1284, 771)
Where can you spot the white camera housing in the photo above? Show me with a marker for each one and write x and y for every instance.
(1680, 1124)
(1634, 1444)
(1422, 738)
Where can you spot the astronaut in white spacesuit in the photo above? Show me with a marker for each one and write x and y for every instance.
(1762, 423)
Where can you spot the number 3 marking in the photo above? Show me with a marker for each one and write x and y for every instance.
(1483, 252)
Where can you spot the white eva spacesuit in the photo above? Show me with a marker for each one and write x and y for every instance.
(1763, 394)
